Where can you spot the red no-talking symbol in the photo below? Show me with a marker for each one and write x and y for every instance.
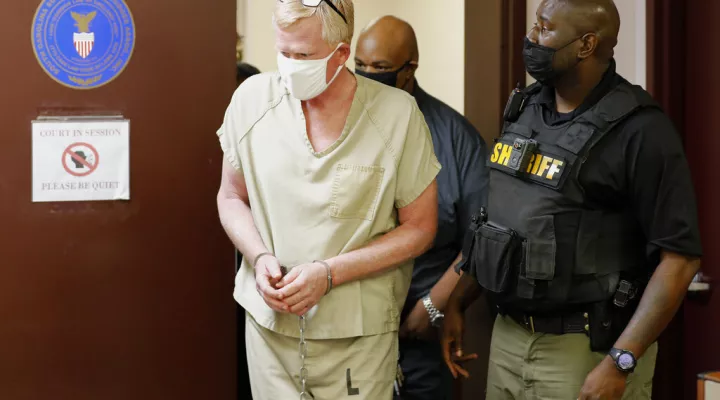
(70, 155)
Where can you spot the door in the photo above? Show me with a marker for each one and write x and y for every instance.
(702, 142)
(128, 299)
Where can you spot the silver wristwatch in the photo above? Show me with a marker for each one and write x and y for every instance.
(436, 317)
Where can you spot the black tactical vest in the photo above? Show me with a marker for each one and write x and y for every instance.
(546, 246)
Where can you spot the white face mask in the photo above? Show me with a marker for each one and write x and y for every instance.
(306, 79)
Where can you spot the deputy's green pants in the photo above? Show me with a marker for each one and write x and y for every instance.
(526, 366)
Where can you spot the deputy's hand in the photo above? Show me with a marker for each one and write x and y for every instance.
(451, 340)
(605, 382)
(303, 287)
(417, 324)
(267, 275)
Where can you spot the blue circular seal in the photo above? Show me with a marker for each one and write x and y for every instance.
(83, 44)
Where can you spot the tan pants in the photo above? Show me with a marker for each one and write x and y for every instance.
(551, 367)
(362, 368)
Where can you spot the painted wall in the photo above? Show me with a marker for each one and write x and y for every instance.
(439, 26)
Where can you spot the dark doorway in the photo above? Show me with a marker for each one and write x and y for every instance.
(683, 77)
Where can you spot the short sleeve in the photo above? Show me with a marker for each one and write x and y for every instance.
(661, 190)
(642, 168)
(418, 165)
(471, 156)
(228, 134)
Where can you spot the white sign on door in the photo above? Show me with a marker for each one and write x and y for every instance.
(80, 160)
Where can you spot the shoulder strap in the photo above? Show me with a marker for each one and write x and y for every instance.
(533, 88)
(621, 102)
(530, 93)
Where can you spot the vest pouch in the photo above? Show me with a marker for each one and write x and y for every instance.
(494, 256)
(540, 248)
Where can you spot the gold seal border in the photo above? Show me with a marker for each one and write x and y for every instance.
(48, 73)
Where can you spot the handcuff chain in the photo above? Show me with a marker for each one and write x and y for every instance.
(303, 355)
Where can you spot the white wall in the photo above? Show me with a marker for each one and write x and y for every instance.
(630, 53)
(259, 43)
(440, 28)
(240, 17)
(439, 25)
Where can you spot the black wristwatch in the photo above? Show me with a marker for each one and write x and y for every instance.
(624, 360)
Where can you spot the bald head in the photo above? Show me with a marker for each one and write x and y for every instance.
(388, 44)
(579, 17)
(394, 34)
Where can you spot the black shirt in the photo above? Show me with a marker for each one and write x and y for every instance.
(462, 190)
(640, 164)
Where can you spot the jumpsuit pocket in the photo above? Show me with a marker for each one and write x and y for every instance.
(355, 191)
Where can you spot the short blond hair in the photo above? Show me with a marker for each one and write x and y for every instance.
(335, 30)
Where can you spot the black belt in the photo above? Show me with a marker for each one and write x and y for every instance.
(576, 322)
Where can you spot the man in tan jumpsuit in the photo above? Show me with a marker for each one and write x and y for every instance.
(331, 175)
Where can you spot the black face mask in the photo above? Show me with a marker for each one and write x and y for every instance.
(539, 61)
(389, 78)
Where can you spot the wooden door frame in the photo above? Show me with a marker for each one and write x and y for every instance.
(492, 69)
(514, 18)
(665, 38)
